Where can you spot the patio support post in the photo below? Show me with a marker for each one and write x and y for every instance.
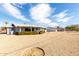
(34, 29)
(20, 29)
(31, 29)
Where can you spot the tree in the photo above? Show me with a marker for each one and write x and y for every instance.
(6, 22)
(72, 28)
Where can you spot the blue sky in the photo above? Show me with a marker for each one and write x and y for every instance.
(53, 14)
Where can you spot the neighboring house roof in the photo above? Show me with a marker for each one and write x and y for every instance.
(54, 28)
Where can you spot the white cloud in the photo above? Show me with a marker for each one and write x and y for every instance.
(62, 16)
(53, 24)
(13, 11)
(40, 13)
(19, 5)
(65, 19)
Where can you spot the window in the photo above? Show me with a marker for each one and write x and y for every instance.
(32, 29)
(27, 29)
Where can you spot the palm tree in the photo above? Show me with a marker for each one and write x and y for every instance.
(6, 23)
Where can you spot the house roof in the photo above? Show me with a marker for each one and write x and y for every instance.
(23, 25)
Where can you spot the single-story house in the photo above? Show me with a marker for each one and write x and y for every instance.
(51, 29)
(22, 28)
(54, 29)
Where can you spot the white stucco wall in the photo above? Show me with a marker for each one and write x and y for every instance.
(8, 30)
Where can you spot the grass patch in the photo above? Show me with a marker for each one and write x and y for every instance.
(29, 33)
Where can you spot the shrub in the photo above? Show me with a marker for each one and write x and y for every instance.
(28, 33)
(41, 32)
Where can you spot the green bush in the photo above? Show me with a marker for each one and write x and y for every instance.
(72, 28)
(28, 33)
